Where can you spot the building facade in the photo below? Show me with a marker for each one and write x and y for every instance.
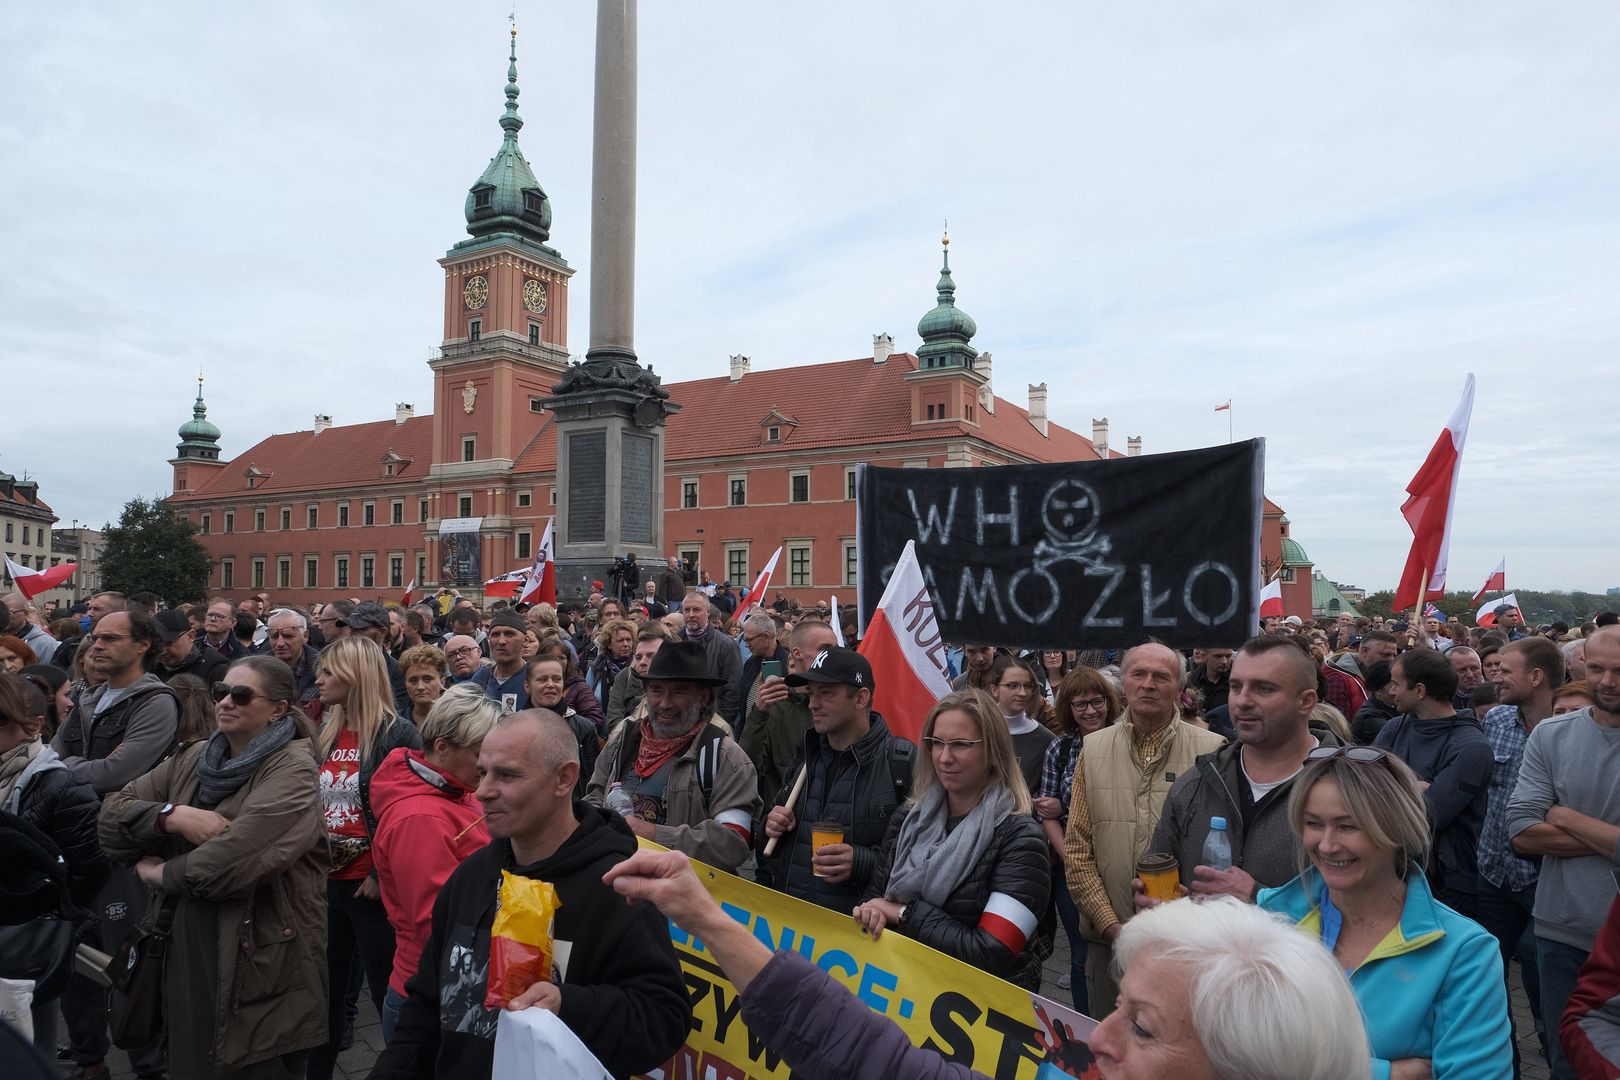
(25, 526)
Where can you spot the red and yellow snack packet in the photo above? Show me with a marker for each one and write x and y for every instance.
(520, 939)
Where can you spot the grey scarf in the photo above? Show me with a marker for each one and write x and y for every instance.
(929, 862)
(219, 775)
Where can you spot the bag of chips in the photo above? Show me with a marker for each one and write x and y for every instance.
(520, 940)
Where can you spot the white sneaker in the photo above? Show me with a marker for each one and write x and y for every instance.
(1064, 982)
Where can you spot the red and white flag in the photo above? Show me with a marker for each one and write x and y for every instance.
(837, 624)
(1496, 582)
(756, 595)
(33, 582)
(904, 647)
(1486, 616)
(1271, 599)
(410, 594)
(540, 586)
(1225, 408)
(1432, 494)
(1008, 921)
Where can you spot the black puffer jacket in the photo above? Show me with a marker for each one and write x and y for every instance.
(57, 803)
(1017, 864)
(854, 787)
(203, 661)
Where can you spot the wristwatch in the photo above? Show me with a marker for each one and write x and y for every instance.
(163, 817)
(900, 920)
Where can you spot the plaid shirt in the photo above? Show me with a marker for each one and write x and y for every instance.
(1498, 862)
(1057, 771)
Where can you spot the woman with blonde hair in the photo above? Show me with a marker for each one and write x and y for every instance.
(1429, 980)
(964, 868)
(359, 728)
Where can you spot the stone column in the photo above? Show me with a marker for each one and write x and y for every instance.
(613, 184)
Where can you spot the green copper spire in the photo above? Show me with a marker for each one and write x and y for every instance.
(947, 330)
(507, 198)
(199, 438)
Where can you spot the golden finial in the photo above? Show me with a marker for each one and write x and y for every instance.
(947, 240)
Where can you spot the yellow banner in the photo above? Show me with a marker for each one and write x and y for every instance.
(968, 1016)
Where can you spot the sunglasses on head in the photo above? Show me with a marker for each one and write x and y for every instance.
(1364, 754)
(241, 696)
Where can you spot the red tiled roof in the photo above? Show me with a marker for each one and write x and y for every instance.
(12, 495)
(347, 456)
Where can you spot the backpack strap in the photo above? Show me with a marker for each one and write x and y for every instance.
(708, 759)
(902, 765)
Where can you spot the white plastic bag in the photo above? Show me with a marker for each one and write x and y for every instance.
(535, 1042)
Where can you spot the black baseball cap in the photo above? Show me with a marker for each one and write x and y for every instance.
(171, 624)
(835, 665)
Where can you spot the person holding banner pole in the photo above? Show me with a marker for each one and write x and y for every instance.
(964, 868)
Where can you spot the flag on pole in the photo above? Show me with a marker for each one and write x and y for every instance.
(837, 624)
(33, 582)
(540, 584)
(1271, 599)
(1432, 494)
(1487, 614)
(410, 594)
(904, 647)
(1225, 408)
(1432, 612)
(506, 585)
(761, 583)
(1496, 582)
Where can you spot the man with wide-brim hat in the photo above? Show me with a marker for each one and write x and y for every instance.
(692, 787)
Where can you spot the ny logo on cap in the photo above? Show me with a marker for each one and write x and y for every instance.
(821, 658)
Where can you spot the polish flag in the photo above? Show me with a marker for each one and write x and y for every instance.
(33, 582)
(1433, 492)
(1225, 408)
(757, 594)
(1496, 582)
(1487, 614)
(410, 594)
(507, 585)
(907, 653)
(1271, 599)
(1008, 921)
(540, 584)
(837, 624)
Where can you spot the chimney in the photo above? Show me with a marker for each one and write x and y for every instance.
(403, 412)
(1037, 407)
(322, 422)
(882, 348)
(1099, 436)
(739, 367)
(1133, 446)
(987, 392)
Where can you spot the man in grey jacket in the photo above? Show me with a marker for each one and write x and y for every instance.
(725, 659)
(1272, 692)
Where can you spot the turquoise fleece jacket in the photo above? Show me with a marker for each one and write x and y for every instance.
(1431, 989)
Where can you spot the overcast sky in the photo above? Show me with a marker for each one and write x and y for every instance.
(1326, 213)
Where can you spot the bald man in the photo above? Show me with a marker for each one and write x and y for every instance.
(1120, 783)
(618, 985)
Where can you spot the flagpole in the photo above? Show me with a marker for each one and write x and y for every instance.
(1416, 630)
(1229, 421)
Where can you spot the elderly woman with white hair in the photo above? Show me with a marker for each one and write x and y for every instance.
(1217, 990)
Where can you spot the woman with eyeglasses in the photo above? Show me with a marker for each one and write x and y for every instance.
(1016, 688)
(1086, 702)
(358, 730)
(1428, 979)
(229, 832)
(964, 867)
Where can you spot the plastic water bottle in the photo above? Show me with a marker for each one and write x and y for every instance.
(1217, 845)
(618, 800)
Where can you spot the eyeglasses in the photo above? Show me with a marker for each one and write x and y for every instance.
(463, 651)
(1018, 687)
(1095, 704)
(241, 696)
(214, 616)
(1363, 754)
(106, 639)
(955, 746)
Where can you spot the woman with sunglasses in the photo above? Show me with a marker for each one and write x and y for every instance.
(358, 730)
(1086, 702)
(1429, 980)
(229, 832)
(964, 867)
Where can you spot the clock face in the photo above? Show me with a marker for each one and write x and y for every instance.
(476, 293)
(534, 296)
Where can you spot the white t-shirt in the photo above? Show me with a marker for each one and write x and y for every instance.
(1258, 790)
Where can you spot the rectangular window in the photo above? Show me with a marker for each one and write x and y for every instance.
(524, 540)
(799, 566)
(930, 412)
(534, 334)
(396, 512)
(799, 487)
(739, 491)
(852, 564)
(283, 574)
(368, 513)
(469, 448)
(312, 572)
(849, 483)
(737, 566)
(342, 577)
(464, 506)
(421, 509)
(552, 497)
(258, 521)
(227, 574)
(475, 329)
(258, 573)
(230, 522)
(286, 518)
(343, 515)
(525, 498)
(537, 404)
(421, 570)
(312, 516)
(207, 526)
(28, 534)
(368, 572)
(773, 434)
(396, 571)
(689, 494)
(11, 530)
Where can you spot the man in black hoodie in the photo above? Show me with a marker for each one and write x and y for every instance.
(1451, 755)
(617, 985)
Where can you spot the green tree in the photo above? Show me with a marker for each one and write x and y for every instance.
(154, 549)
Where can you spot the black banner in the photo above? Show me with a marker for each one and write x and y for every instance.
(1084, 554)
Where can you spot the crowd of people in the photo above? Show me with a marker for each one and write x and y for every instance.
(1364, 825)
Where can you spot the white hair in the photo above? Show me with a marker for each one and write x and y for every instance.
(1268, 1002)
(297, 616)
(760, 623)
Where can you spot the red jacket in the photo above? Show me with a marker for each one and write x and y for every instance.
(1590, 1029)
(426, 824)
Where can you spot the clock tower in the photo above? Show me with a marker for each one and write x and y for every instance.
(505, 320)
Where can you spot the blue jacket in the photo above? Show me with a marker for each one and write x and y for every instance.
(1432, 988)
